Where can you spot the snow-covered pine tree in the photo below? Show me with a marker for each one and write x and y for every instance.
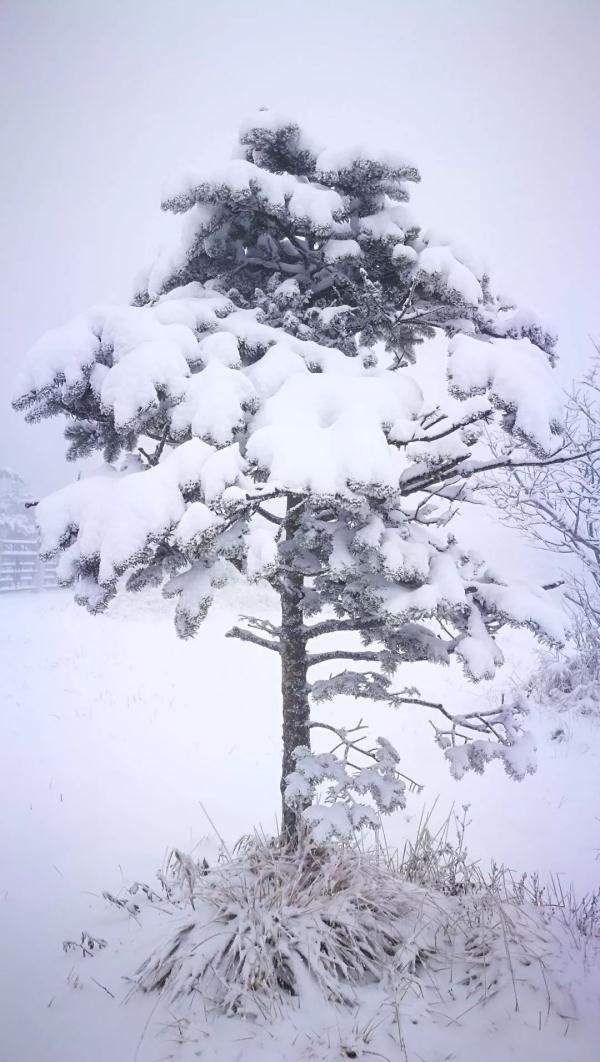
(267, 409)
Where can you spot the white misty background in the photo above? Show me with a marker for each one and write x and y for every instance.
(497, 103)
(113, 728)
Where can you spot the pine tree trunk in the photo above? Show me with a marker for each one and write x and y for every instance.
(294, 691)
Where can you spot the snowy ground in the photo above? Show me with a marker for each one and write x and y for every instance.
(114, 734)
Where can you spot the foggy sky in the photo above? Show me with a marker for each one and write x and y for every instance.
(497, 101)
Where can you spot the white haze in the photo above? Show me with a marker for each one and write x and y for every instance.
(496, 102)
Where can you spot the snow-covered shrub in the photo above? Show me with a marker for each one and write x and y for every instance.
(273, 923)
(571, 681)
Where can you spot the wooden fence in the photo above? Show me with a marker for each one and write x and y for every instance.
(21, 567)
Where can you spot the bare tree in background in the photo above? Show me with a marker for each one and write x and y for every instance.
(559, 506)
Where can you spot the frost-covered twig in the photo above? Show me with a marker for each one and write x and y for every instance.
(244, 635)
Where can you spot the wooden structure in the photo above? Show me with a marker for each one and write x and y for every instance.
(21, 567)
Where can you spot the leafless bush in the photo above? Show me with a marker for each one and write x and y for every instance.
(571, 682)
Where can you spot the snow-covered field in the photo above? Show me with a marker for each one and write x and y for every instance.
(116, 736)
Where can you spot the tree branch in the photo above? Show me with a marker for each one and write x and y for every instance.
(248, 636)
(452, 470)
(342, 654)
(333, 626)
(348, 743)
(473, 419)
(269, 516)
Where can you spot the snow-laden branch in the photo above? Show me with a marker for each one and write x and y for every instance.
(344, 654)
(334, 787)
(348, 742)
(469, 740)
(244, 635)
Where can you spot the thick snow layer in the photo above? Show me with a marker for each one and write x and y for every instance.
(440, 261)
(222, 347)
(282, 192)
(214, 404)
(322, 432)
(381, 226)
(133, 386)
(405, 253)
(139, 361)
(278, 363)
(64, 352)
(116, 516)
(271, 121)
(108, 752)
(517, 375)
(247, 405)
(336, 249)
(435, 237)
(337, 160)
(520, 600)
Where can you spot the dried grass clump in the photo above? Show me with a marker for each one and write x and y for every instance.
(272, 923)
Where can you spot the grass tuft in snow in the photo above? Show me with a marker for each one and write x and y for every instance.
(273, 922)
(270, 924)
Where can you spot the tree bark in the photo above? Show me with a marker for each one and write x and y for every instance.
(294, 664)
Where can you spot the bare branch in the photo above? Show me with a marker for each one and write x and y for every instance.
(269, 516)
(459, 470)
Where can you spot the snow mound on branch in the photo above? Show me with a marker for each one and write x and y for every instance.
(336, 249)
(323, 432)
(242, 181)
(382, 226)
(522, 603)
(114, 517)
(133, 386)
(273, 369)
(518, 377)
(215, 405)
(441, 262)
(61, 354)
(335, 163)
